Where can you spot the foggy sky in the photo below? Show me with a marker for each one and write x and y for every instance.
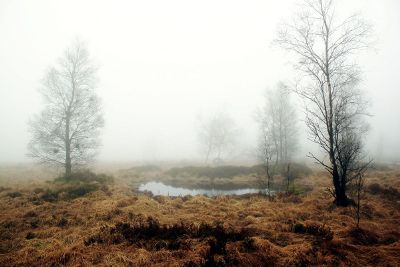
(163, 63)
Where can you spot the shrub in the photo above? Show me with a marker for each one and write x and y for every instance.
(14, 194)
(84, 176)
(38, 190)
(34, 222)
(211, 172)
(375, 188)
(390, 237)
(78, 184)
(30, 213)
(30, 235)
(320, 231)
(49, 196)
(289, 197)
(299, 228)
(297, 170)
(62, 222)
(73, 192)
(390, 192)
(249, 244)
(363, 236)
(69, 191)
(145, 168)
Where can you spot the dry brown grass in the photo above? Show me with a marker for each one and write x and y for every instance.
(287, 230)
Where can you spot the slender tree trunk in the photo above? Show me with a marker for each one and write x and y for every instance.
(266, 166)
(268, 181)
(359, 188)
(288, 177)
(340, 185)
(280, 138)
(68, 165)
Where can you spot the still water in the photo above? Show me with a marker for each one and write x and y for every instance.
(158, 188)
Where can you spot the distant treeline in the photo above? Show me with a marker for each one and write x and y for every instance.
(229, 171)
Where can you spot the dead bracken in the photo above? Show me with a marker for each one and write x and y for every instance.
(117, 227)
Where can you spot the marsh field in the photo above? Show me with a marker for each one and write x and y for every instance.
(103, 219)
(199, 133)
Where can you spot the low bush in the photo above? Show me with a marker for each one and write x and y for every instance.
(297, 170)
(288, 197)
(390, 192)
(78, 184)
(70, 191)
(84, 176)
(145, 168)
(374, 188)
(320, 231)
(30, 235)
(81, 190)
(248, 244)
(299, 228)
(62, 222)
(228, 171)
(390, 237)
(299, 189)
(49, 196)
(38, 190)
(363, 236)
(30, 214)
(14, 194)
(210, 172)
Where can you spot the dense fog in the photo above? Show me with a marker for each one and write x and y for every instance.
(163, 66)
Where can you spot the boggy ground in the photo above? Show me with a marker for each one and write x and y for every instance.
(44, 224)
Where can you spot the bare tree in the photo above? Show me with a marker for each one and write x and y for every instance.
(217, 135)
(281, 115)
(359, 194)
(334, 105)
(358, 191)
(267, 154)
(66, 132)
(278, 133)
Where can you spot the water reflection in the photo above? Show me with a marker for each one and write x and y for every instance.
(158, 188)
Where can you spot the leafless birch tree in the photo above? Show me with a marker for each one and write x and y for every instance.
(278, 133)
(267, 155)
(279, 114)
(66, 132)
(335, 107)
(217, 135)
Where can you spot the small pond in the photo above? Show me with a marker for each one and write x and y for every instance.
(157, 188)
